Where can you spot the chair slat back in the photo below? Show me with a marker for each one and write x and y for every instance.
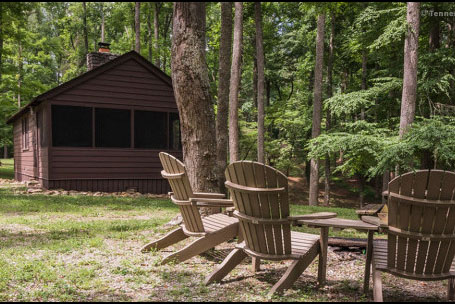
(421, 236)
(182, 191)
(254, 189)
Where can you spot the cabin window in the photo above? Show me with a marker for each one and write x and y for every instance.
(112, 128)
(175, 142)
(25, 133)
(71, 126)
(150, 130)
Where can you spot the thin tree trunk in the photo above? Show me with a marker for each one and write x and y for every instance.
(1, 41)
(191, 88)
(19, 80)
(84, 6)
(317, 108)
(5, 151)
(364, 79)
(260, 87)
(223, 91)
(408, 100)
(329, 118)
(235, 84)
(149, 31)
(137, 26)
(102, 22)
(156, 27)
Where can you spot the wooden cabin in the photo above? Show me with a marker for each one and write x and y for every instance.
(101, 131)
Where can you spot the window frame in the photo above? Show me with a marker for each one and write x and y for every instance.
(25, 133)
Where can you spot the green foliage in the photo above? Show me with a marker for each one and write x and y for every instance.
(435, 135)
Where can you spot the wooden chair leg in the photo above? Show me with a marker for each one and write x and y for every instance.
(323, 244)
(291, 275)
(172, 237)
(230, 262)
(366, 281)
(451, 290)
(256, 264)
(202, 244)
(377, 285)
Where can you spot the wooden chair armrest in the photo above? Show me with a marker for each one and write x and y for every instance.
(311, 216)
(208, 195)
(211, 202)
(230, 211)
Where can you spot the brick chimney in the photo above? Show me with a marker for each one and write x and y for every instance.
(95, 59)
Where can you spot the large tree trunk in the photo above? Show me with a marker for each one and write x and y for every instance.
(317, 108)
(84, 6)
(156, 27)
(223, 91)
(235, 84)
(137, 26)
(260, 87)
(329, 118)
(191, 88)
(408, 100)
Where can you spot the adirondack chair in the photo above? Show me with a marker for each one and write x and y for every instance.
(420, 241)
(260, 195)
(210, 231)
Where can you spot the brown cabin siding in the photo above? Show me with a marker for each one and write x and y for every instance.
(26, 166)
(127, 86)
(131, 83)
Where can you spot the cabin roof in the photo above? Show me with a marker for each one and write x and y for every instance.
(89, 75)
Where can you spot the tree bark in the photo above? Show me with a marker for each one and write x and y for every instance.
(191, 88)
(137, 26)
(235, 84)
(364, 79)
(156, 27)
(260, 84)
(223, 91)
(409, 95)
(329, 118)
(5, 151)
(102, 22)
(84, 6)
(317, 108)
(149, 31)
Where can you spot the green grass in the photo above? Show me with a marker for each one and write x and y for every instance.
(7, 168)
(85, 248)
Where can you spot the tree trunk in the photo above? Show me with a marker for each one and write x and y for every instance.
(260, 87)
(84, 6)
(149, 31)
(5, 151)
(235, 84)
(317, 108)
(102, 22)
(364, 79)
(137, 26)
(223, 91)
(329, 119)
(19, 79)
(191, 88)
(408, 100)
(156, 27)
(1, 41)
